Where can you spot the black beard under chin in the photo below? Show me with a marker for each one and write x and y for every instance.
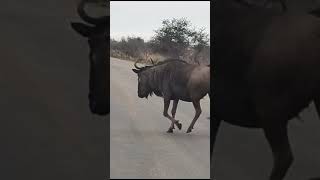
(151, 93)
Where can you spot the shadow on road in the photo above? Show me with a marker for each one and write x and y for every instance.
(181, 134)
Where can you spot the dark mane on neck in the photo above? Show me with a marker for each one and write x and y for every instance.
(161, 63)
(170, 61)
(156, 73)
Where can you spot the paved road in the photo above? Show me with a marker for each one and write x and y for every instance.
(47, 131)
(139, 144)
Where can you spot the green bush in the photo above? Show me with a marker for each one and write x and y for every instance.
(175, 39)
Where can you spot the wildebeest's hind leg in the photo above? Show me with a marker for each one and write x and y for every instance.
(165, 114)
(277, 137)
(317, 104)
(174, 110)
(214, 127)
(197, 107)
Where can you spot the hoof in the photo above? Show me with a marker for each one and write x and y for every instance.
(179, 125)
(170, 130)
(189, 130)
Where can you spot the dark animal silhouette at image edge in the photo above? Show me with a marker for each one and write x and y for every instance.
(282, 3)
(265, 73)
(175, 80)
(98, 39)
(265, 4)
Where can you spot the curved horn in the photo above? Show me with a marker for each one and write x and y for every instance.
(135, 64)
(87, 18)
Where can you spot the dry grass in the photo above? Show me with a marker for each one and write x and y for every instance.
(144, 59)
(203, 58)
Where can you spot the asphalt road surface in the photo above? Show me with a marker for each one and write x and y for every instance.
(139, 144)
(47, 131)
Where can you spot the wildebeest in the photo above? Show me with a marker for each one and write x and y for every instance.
(97, 34)
(282, 3)
(266, 72)
(174, 79)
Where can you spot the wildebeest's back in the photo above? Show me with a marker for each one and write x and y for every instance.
(186, 81)
(175, 79)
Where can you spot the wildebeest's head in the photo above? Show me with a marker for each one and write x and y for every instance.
(144, 86)
(97, 34)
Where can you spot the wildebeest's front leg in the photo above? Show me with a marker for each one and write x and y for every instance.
(174, 107)
(165, 114)
(174, 110)
(197, 107)
(214, 127)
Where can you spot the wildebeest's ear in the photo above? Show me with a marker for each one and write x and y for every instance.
(82, 29)
(135, 70)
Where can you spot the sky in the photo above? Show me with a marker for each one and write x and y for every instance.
(141, 18)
